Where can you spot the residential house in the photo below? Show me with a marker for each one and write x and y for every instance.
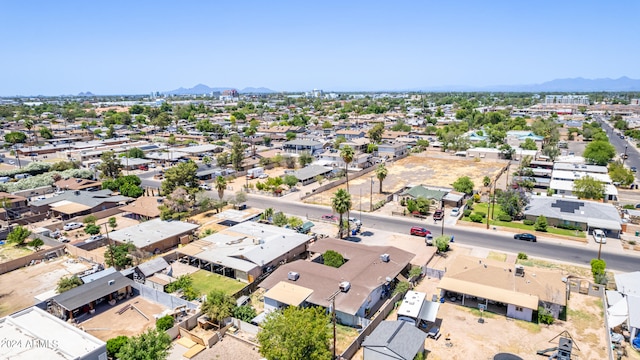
(78, 184)
(392, 150)
(583, 214)
(245, 251)
(143, 208)
(11, 206)
(351, 134)
(394, 340)
(515, 138)
(516, 292)
(299, 146)
(564, 175)
(308, 174)
(357, 144)
(390, 136)
(78, 203)
(149, 268)
(35, 334)
(363, 282)
(155, 236)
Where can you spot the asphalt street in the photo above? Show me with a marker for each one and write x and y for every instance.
(551, 249)
(622, 145)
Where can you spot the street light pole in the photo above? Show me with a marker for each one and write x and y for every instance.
(332, 298)
(623, 158)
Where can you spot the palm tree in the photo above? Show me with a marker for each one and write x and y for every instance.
(28, 124)
(381, 174)
(267, 214)
(346, 153)
(221, 185)
(341, 203)
(218, 306)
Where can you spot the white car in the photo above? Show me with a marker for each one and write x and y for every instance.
(11, 162)
(72, 226)
(355, 221)
(263, 176)
(205, 187)
(455, 212)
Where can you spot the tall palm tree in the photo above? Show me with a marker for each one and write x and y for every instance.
(28, 124)
(221, 185)
(341, 203)
(381, 174)
(346, 153)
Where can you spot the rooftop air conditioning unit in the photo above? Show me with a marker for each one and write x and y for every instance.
(111, 282)
(345, 286)
(293, 276)
(519, 270)
(384, 257)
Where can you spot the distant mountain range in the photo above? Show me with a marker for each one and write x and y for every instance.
(558, 85)
(201, 89)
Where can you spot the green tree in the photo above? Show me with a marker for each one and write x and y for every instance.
(15, 137)
(46, 133)
(442, 242)
(92, 229)
(620, 174)
(115, 344)
(18, 235)
(290, 180)
(220, 185)
(375, 133)
(381, 174)
(486, 181)
(529, 144)
(113, 223)
(540, 224)
(290, 135)
(599, 152)
(165, 323)
(296, 333)
(110, 166)
(67, 283)
(135, 153)
(305, 159)
(333, 258)
(36, 243)
(207, 160)
(512, 201)
(598, 270)
(237, 153)
(218, 306)
(588, 187)
(119, 256)
(341, 203)
(152, 344)
(347, 154)
(245, 313)
(464, 185)
(90, 220)
(181, 175)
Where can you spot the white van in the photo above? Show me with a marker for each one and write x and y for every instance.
(599, 236)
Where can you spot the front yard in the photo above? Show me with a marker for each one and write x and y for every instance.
(205, 281)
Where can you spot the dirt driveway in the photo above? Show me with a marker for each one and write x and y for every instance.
(426, 169)
(19, 287)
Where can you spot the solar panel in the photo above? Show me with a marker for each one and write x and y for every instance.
(567, 206)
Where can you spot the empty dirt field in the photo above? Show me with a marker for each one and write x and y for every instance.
(418, 169)
(19, 287)
(109, 324)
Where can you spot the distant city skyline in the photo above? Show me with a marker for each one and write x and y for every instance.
(118, 47)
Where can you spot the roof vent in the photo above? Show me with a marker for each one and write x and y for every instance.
(345, 286)
(111, 282)
(293, 276)
(384, 257)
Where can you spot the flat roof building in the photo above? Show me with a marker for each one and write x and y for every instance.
(155, 235)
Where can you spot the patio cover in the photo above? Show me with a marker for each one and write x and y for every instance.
(618, 313)
(429, 311)
(71, 208)
(489, 292)
(289, 294)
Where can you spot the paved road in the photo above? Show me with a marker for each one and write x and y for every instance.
(551, 249)
(622, 145)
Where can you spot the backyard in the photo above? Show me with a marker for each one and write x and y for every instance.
(205, 281)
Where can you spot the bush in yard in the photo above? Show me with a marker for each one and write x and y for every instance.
(92, 229)
(402, 287)
(244, 313)
(466, 212)
(114, 345)
(505, 218)
(482, 213)
(631, 242)
(541, 223)
(165, 323)
(544, 316)
(476, 198)
(598, 269)
(522, 256)
(528, 222)
(475, 217)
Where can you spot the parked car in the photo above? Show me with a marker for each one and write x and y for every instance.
(94, 238)
(63, 239)
(11, 162)
(143, 167)
(634, 169)
(55, 234)
(263, 176)
(455, 212)
(438, 214)
(419, 231)
(152, 165)
(329, 217)
(355, 221)
(525, 236)
(599, 236)
(205, 187)
(72, 226)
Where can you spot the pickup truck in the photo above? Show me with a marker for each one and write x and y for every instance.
(438, 214)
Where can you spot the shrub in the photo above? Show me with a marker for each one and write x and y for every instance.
(92, 229)
(522, 256)
(165, 323)
(115, 344)
(505, 218)
(466, 212)
(402, 287)
(631, 242)
(476, 198)
(481, 213)
(244, 313)
(528, 222)
(544, 316)
(567, 227)
(333, 258)
(475, 217)
(541, 223)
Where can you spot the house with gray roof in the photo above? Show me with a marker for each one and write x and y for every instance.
(149, 268)
(583, 214)
(298, 146)
(394, 340)
(77, 203)
(308, 174)
(155, 235)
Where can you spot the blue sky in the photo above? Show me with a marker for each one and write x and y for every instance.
(133, 47)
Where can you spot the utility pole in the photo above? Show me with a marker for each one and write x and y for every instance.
(332, 298)
(371, 194)
(442, 207)
(493, 201)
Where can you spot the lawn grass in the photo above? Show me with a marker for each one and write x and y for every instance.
(205, 281)
(10, 252)
(483, 207)
(497, 256)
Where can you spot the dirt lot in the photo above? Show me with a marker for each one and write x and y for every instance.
(19, 287)
(412, 170)
(109, 324)
(228, 348)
